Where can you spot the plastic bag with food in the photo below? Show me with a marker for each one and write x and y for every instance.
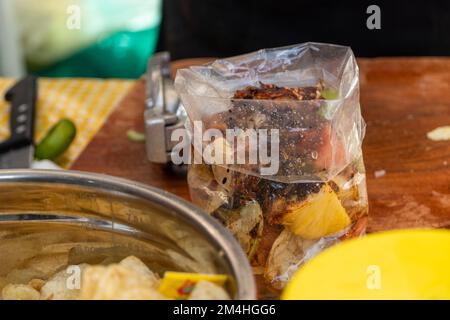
(277, 158)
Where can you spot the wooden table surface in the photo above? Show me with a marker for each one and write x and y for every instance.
(401, 98)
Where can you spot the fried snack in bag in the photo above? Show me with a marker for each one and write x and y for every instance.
(295, 119)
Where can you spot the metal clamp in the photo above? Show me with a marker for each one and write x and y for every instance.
(164, 111)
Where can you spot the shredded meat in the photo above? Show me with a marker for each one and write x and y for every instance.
(273, 92)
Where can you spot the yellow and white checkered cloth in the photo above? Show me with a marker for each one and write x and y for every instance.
(87, 102)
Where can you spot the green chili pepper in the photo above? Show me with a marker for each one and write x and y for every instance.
(57, 140)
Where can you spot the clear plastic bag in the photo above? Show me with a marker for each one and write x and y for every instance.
(317, 196)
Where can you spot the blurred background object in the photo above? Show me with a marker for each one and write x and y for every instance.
(84, 38)
(115, 38)
(11, 62)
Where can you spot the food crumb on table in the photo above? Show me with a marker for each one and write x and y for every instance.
(439, 134)
(379, 173)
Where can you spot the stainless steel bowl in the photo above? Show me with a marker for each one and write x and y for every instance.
(97, 217)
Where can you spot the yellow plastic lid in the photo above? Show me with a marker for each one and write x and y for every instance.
(403, 264)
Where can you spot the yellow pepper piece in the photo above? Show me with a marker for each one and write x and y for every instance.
(179, 285)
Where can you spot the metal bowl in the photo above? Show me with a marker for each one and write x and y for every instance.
(97, 217)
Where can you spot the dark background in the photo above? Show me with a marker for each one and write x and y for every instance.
(218, 28)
